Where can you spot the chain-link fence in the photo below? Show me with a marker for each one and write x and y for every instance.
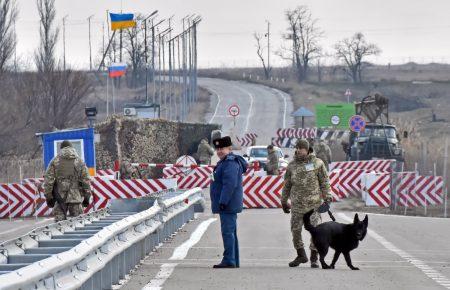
(16, 170)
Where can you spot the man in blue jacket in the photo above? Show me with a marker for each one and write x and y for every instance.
(227, 198)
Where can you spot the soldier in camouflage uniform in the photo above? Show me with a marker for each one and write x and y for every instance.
(204, 152)
(272, 161)
(322, 151)
(307, 185)
(127, 171)
(71, 176)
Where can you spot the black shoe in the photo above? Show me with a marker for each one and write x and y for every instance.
(300, 259)
(223, 266)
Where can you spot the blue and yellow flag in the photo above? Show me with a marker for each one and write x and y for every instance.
(122, 21)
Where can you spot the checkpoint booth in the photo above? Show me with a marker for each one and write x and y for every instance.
(83, 141)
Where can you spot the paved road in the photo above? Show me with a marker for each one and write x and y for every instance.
(398, 252)
(10, 229)
(262, 110)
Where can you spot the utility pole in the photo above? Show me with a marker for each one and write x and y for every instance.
(64, 41)
(90, 45)
(146, 55)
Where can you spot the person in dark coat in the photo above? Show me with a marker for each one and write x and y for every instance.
(227, 198)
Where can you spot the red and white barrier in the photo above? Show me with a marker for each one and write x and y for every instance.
(262, 192)
(199, 177)
(21, 200)
(247, 139)
(377, 189)
(372, 165)
(334, 184)
(297, 133)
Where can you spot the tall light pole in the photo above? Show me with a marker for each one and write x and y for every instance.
(145, 54)
(64, 41)
(90, 45)
(268, 48)
(153, 57)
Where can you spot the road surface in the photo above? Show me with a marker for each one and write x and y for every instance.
(398, 252)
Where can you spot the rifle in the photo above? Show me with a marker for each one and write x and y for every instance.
(61, 203)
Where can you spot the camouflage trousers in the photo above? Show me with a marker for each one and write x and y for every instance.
(74, 209)
(296, 228)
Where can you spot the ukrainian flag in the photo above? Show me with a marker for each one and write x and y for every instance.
(122, 21)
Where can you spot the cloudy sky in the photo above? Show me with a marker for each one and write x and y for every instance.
(405, 30)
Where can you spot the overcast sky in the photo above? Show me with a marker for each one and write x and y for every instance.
(405, 30)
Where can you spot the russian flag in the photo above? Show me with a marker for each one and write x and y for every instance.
(117, 70)
(122, 21)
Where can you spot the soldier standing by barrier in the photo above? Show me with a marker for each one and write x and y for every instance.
(127, 171)
(67, 183)
(272, 161)
(322, 151)
(227, 198)
(204, 152)
(307, 186)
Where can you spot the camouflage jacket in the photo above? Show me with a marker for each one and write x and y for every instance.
(323, 152)
(306, 184)
(71, 175)
(272, 162)
(204, 151)
(127, 171)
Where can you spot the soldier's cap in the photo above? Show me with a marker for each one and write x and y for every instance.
(302, 144)
(65, 144)
(222, 142)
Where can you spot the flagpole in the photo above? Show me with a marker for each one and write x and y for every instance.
(107, 95)
(113, 98)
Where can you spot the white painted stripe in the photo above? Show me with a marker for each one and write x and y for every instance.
(285, 106)
(217, 106)
(178, 254)
(249, 114)
(427, 270)
(181, 252)
(163, 274)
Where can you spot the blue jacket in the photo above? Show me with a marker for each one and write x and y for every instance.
(226, 187)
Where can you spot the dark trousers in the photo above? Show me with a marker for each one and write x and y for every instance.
(230, 240)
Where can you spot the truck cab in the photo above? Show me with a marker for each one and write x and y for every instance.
(376, 141)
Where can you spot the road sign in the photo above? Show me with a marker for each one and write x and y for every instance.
(357, 123)
(335, 120)
(234, 110)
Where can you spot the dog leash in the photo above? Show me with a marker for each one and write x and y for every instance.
(325, 207)
(331, 216)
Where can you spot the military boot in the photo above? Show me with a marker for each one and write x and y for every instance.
(301, 258)
(313, 259)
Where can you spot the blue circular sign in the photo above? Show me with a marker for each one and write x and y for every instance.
(357, 123)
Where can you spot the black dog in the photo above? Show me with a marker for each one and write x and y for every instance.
(343, 238)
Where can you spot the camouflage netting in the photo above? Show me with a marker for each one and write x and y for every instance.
(147, 140)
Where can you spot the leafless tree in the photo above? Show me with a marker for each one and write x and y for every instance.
(45, 54)
(260, 53)
(352, 51)
(8, 16)
(135, 49)
(304, 35)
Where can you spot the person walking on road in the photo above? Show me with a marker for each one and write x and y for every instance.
(227, 198)
(204, 152)
(272, 161)
(307, 186)
(67, 183)
(322, 151)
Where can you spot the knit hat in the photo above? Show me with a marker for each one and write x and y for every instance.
(302, 144)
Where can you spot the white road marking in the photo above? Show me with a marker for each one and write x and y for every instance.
(217, 106)
(24, 226)
(163, 274)
(249, 114)
(427, 270)
(285, 105)
(178, 254)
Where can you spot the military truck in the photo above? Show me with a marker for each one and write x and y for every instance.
(379, 139)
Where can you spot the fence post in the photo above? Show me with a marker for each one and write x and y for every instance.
(445, 175)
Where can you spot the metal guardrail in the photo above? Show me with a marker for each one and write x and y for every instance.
(97, 260)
